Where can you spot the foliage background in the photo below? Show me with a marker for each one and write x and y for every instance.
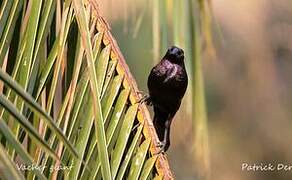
(248, 84)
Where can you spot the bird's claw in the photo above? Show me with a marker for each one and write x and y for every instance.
(161, 151)
(146, 98)
(161, 146)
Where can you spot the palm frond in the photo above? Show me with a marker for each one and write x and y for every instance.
(69, 99)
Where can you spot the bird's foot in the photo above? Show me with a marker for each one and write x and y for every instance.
(146, 98)
(161, 146)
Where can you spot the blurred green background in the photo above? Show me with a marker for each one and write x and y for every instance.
(248, 83)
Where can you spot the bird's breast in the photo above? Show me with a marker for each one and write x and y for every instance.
(171, 79)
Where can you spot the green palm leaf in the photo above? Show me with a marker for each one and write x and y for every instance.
(69, 99)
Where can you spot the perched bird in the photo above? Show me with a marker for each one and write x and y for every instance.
(167, 84)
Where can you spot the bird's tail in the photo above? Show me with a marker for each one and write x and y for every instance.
(160, 118)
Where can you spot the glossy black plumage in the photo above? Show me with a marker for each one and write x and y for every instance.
(167, 84)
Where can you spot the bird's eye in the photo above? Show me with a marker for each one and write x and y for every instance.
(180, 53)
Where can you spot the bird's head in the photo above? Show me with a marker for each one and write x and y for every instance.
(175, 55)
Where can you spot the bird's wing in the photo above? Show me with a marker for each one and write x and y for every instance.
(157, 73)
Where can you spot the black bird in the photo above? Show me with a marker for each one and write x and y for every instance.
(167, 84)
